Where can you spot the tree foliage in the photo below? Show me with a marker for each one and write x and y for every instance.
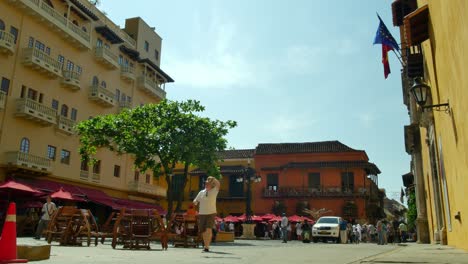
(159, 136)
(412, 213)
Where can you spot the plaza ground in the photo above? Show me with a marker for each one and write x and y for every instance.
(258, 252)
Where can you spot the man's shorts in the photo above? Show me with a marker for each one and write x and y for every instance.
(205, 221)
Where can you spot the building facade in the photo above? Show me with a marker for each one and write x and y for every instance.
(290, 177)
(63, 62)
(434, 35)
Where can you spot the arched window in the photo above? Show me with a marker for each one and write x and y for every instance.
(95, 81)
(103, 84)
(64, 111)
(24, 146)
(2, 25)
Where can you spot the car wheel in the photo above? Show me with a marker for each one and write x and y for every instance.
(315, 240)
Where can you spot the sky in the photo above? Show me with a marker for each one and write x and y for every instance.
(286, 71)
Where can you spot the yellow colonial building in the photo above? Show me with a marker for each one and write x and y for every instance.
(62, 62)
(434, 36)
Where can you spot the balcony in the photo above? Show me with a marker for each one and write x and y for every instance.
(71, 80)
(106, 57)
(145, 188)
(3, 96)
(102, 96)
(35, 111)
(127, 73)
(39, 60)
(7, 43)
(124, 105)
(151, 87)
(96, 177)
(319, 191)
(28, 161)
(84, 175)
(65, 125)
(65, 28)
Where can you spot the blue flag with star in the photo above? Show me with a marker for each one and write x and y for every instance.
(383, 36)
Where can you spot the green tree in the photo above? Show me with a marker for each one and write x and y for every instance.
(158, 136)
(412, 213)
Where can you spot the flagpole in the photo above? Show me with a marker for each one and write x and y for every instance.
(399, 57)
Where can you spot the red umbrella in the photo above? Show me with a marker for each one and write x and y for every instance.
(16, 186)
(268, 216)
(274, 219)
(257, 218)
(231, 218)
(295, 218)
(64, 195)
(17, 190)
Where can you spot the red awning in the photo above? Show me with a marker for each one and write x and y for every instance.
(91, 195)
(19, 187)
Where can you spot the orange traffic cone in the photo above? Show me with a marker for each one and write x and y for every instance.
(8, 253)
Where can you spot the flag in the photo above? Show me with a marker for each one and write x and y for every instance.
(384, 37)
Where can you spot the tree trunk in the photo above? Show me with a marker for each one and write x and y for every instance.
(180, 195)
(169, 196)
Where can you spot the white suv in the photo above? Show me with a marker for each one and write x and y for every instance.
(326, 228)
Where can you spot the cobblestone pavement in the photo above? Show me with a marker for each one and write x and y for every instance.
(257, 251)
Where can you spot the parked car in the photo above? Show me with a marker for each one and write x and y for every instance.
(327, 228)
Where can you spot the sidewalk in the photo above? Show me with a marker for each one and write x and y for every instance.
(420, 253)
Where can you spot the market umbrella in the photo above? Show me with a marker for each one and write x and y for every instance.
(64, 195)
(295, 218)
(275, 219)
(268, 216)
(16, 189)
(257, 218)
(231, 218)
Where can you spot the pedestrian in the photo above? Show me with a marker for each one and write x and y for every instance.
(306, 231)
(403, 231)
(284, 228)
(206, 199)
(48, 209)
(343, 231)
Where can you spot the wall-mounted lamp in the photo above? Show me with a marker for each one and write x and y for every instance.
(421, 91)
(458, 216)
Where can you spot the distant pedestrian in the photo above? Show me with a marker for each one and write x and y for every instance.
(284, 228)
(403, 232)
(343, 231)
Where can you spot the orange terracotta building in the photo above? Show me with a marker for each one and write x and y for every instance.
(316, 175)
(295, 176)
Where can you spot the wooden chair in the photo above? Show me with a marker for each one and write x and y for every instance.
(83, 229)
(140, 229)
(59, 226)
(108, 227)
(121, 229)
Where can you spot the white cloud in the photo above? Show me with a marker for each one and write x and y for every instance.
(303, 59)
(287, 126)
(217, 60)
(367, 119)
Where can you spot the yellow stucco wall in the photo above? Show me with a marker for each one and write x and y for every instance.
(36, 25)
(446, 57)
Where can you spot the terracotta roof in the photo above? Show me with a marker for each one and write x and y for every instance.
(369, 167)
(306, 147)
(236, 154)
(224, 170)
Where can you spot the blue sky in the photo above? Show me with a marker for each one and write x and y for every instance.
(286, 71)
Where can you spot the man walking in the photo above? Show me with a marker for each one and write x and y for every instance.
(48, 210)
(284, 228)
(206, 199)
